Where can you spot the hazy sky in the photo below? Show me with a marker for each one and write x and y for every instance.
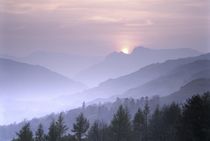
(101, 26)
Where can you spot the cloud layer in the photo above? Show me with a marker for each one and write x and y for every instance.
(98, 27)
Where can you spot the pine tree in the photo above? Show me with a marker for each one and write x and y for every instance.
(53, 133)
(195, 121)
(60, 127)
(39, 134)
(80, 127)
(120, 125)
(25, 134)
(171, 117)
(146, 114)
(98, 132)
(138, 124)
(94, 133)
(156, 122)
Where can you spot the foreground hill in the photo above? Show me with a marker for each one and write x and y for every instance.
(104, 112)
(118, 64)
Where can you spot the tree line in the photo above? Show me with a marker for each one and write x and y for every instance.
(188, 122)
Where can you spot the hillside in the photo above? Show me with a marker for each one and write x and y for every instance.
(172, 81)
(151, 75)
(104, 112)
(118, 64)
(27, 88)
(197, 86)
(23, 79)
(65, 64)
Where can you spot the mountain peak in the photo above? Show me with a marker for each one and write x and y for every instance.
(140, 50)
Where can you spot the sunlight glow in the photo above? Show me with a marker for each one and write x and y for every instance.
(125, 50)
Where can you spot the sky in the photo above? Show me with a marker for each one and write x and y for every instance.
(102, 26)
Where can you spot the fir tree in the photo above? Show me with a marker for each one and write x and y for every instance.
(195, 122)
(52, 133)
(138, 125)
(146, 116)
(39, 134)
(80, 127)
(25, 134)
(120, 125)
(60, 127)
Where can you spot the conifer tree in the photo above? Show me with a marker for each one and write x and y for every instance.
(60, 126)
(138, 125)
(94, 133)
(195, 121)
(146, 116)
(52, 133)
(121, 126)
(25, 134)
(39, 134)
(80, 127)
(155, 126)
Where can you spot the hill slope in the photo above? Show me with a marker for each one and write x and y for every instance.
(27, 88)
(172, 81)
(118, 64)
(24, 79)
(65, 64)
(150, 75)
(104, 112)
(194, 87)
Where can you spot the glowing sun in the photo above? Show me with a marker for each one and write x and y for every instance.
(125, 50)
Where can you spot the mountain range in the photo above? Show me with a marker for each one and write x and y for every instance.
(24, 79)
(26, 89)
(155, 79)
(118, 64)
(62, 63)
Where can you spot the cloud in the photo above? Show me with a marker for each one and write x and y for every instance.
(104, 19)
(59, 24)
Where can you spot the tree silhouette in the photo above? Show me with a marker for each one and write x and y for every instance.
(146, 114)
(98, 132)
(195, 122)
(60, 126)
(39, 134)
(52, 133)
(138, 125)
(25, 134)
(120, 125)
(80, 127)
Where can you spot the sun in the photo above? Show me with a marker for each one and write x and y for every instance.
(125, 50)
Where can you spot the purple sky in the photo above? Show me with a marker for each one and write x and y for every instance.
(101, 26)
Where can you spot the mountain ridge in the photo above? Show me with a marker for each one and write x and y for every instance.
(118, 64)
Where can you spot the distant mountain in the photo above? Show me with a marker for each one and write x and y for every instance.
(194, 87)
(118, 64)
(160, 78)
(23, 79)
(28, 90)
(172, 81)
(65, 64)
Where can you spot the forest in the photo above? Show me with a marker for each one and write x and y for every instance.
(173, 122)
